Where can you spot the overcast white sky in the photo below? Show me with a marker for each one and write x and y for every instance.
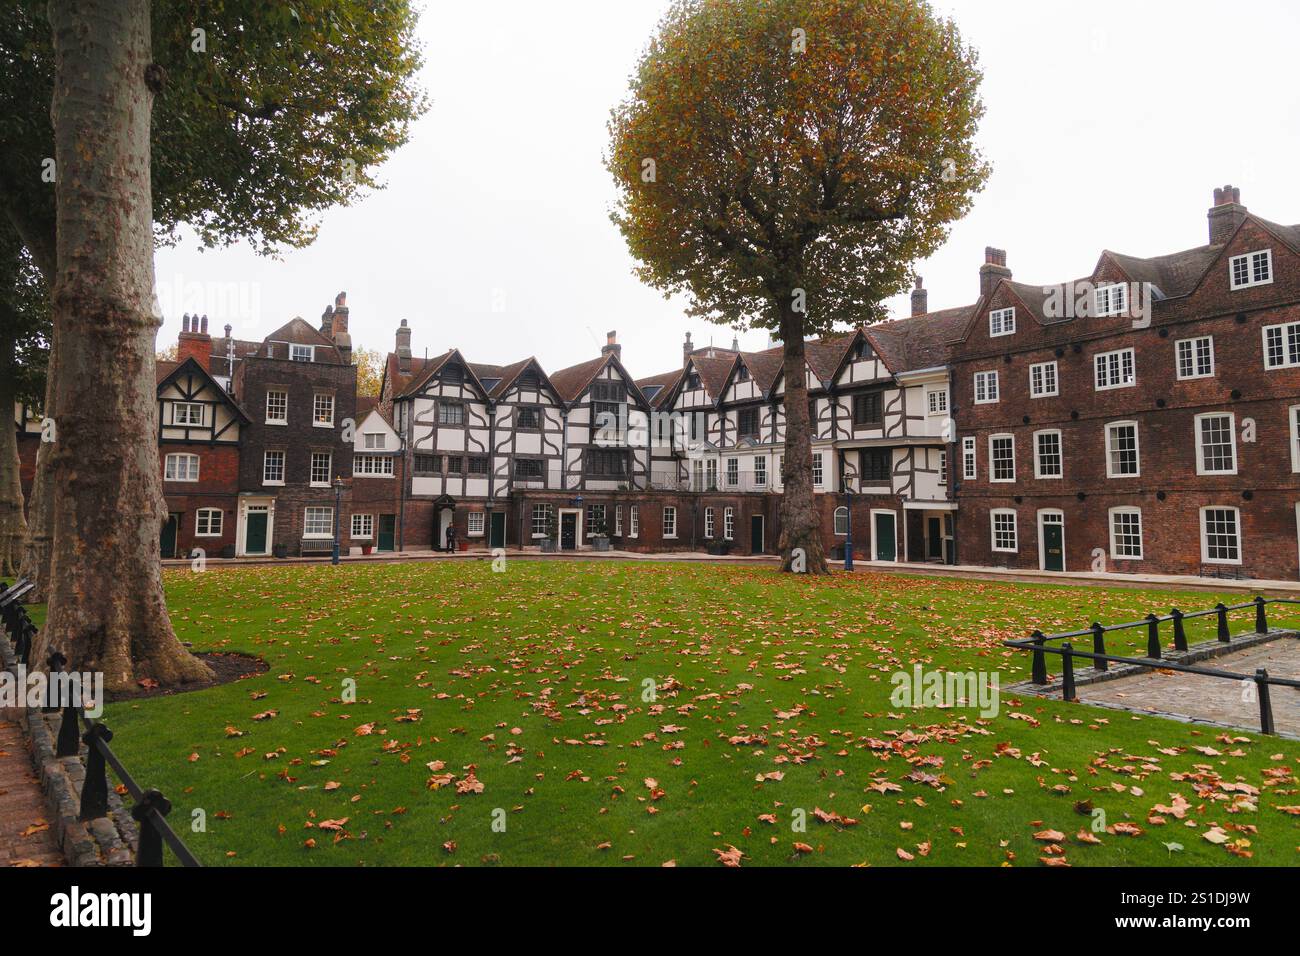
(1109, 123)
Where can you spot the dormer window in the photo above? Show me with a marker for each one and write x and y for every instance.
(742, 374)
(302, 353)
(453, 375)
(1111, 300)
(187, 413)
(1253, 268)
(859, 350)
(1002, 322)
(692, 381)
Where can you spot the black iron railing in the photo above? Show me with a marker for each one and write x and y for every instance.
(151, 807)
(1039, 645)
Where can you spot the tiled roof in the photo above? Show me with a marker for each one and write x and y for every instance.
(656, 387)
(1174, 275)
(572, 381)
(920, 341)
(714, 371)
(299, 332)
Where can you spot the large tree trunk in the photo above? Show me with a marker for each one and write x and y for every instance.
(107, 611)
(40, 515)
(13, 526)
(801, 533)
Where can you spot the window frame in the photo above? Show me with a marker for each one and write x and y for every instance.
(1002, 322)
(991, 395)
(316, 420)
(312, 480)
(1293, 420)
(1056, 379)
(993, 458)
(1200, 443)
(708, 522)
(633, 521)
(293, 352)
(198, 522)
(669, 518)
(1137, 449)
(363, 466)
(1039, 473)
(1111, 515)
(284, 393)
(970, 468)
(284, 466)
(994, 514)
(1290, 359)
(472, 518)
(841, 529)
(936, 401)
(818, 471)
(1110, 386)
(1205, 537)
(362, 535)
(189, 459)
(329, 517)
(1113, 307)
(1234, 285)
(1191, 342)
(189, 407)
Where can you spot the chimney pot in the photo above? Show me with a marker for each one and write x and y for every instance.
(204, 328)
(185, 322)
(687, 347)
(611, 345)
(403, 347)
(1226, 214)
(994, 269)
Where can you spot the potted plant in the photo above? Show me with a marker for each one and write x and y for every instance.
(599, 534)
(367, 548)
(551, 543)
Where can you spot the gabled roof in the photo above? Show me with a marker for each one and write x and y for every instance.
(395, 382)
(656, 388)
(1174, 275)
(299, 332)
(503, 377)
(571, 382)
(920, 341)
(434, 366)
(166, 372)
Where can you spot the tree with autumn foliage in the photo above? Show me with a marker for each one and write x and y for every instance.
(120, 122)
(784, 163)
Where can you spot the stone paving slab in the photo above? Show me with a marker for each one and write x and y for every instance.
(26, 838)
(1211, 700)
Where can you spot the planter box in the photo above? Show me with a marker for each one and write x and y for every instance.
(600, 543)
(367, 548)
(462, 545)
(549, 546)
(228, 551)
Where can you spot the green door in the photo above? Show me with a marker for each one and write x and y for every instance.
(255, 533)
(1053, 543)
(886, 543)
(168, 540)
(497, 537)
(387, 533)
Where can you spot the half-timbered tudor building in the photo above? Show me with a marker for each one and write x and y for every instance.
(199, 431)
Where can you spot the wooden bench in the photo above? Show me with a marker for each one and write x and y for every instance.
(311, 547)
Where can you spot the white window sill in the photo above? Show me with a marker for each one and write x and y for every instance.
(208, 535)
(273, 484)
(276, 421)
(322, 424)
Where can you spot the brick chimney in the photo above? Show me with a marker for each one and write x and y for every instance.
(1226, 214)
(404, 348)
(327, 321)
(687, 348)
(994, 269)
(920, 299)
(338, 332)
(611, 345)
(194, 341)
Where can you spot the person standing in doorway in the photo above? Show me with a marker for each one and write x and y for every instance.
(451, 538)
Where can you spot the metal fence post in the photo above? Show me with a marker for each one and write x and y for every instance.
(1261, 616)
(1224, 634)
(1039, 675)
(1180, 630)
(94, 792)
(1265, 704)
(1099, 646)
(1153, 637)
(1067, 671)
(150, 851)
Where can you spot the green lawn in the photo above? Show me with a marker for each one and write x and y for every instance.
(517, 699)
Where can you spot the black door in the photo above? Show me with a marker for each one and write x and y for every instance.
(497, 535)
(934, 538)
(569, 531)
(756, 534)
(255, 532)
(168, 540)
(387, 533)
(1053, 544)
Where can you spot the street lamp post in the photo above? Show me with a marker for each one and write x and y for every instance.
(847, 475)
(338, 500)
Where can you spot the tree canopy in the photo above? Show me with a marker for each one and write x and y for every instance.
(769, 146)
(265, 114)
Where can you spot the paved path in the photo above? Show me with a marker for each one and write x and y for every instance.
(25, 836)
(1212, 699)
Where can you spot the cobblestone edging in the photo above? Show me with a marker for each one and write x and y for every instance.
(1085, 674)
(106, 841)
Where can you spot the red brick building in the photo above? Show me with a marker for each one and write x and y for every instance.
(1140, 419)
